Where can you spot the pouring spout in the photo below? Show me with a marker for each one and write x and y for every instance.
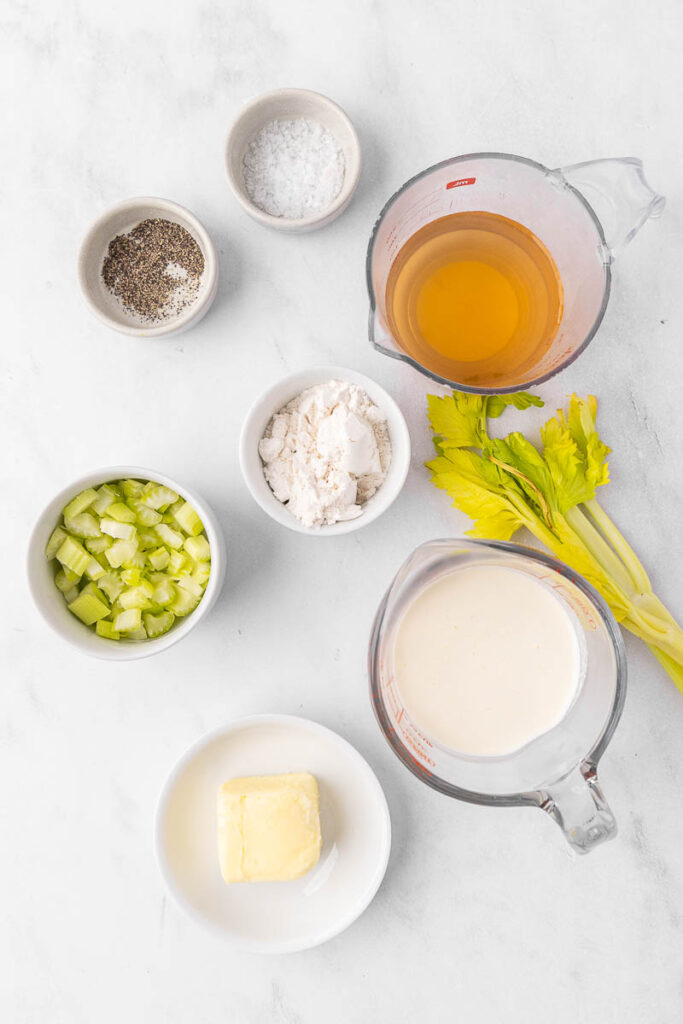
(619, 195)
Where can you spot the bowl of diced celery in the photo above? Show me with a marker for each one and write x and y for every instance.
(124, 562)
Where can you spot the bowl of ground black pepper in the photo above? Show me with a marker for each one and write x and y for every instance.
(147, 267)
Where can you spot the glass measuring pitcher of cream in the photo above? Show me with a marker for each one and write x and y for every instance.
(490, 272)
(535, 741)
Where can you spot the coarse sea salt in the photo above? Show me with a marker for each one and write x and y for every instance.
(293, 168)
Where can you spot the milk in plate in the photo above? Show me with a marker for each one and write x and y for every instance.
(486, 658)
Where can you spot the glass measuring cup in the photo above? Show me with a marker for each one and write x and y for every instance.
(556, 771)
(584, 215)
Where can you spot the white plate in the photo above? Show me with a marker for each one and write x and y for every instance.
(274, 917)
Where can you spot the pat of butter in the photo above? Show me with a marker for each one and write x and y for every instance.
(268, 827)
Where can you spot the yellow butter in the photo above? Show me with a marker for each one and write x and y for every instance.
(268, 827)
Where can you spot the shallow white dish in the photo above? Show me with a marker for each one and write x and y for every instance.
(282, 104)
(50, 601)
(120, 219)
(273, 399)
(274, 917)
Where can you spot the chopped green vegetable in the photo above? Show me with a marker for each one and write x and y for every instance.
(504, 484)
(106, 496)
(88, 608)
(128, 620)
(83, 525)
(198, 548)
(188, 520)
(65, 579)
(121, 512)
(94, 570)
(169, 537)
(158, 559)
(112, 548)
(120, 551)
(73, 556)
(79, 503)
(156, 496)
(158, 624)
(106, 629)
(57, 538)
(96, 545)
(122, 531)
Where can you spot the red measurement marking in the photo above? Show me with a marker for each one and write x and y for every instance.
(461, 181)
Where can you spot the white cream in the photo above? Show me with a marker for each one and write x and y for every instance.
(326, 452)
(486, 659)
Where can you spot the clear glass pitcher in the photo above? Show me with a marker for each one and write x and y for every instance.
(584, 214)
(556, 771)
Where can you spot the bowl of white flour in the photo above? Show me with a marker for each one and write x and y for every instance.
(293, 159)
(325, 451)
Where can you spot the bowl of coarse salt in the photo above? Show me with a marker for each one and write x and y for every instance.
(325, 451)
(293, 159)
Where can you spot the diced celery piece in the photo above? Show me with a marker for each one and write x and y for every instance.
(187, 518)
(83, 525)
(136, 561)
(121, 513)
(164, 593)
(112, 585)
(156, 495)
(94, 590)
(134, 597)
(180, 563)
(158, 624)
(183, 603)
(128, 620)
(88, 608)
(145, 516)
(171, 538)
(73, 556)
(132, 488)
(57, 538)
(106, 629)
(101, 557)
(106, 496)
(94, 570)
(79, 503)
(66, 579)
(137, 634)
(172, 509)
(147, 539)
(71, 594)
(122, 531)
(198, 548)
(191, 585)
(121, 551)
(96, 545)
(131, 577)
(202, 572)
(158, 559)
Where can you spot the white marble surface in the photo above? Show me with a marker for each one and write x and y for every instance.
(484, 915)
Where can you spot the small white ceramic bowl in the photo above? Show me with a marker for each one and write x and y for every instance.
(277, 396)
(50, 601)
(119, 220)
(278, 105)
(274, 917)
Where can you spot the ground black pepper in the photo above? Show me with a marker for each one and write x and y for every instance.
(154, 270)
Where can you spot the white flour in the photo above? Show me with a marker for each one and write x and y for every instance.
(326, 452)
(293, 168)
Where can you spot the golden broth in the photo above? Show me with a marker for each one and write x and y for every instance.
(474, 297)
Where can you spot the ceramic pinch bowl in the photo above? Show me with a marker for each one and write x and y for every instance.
(274, 917)
(50, 601)
(282, 104)
(118, 220)
(277, 396)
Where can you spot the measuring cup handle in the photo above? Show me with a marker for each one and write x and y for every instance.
(619, 194)
(577, 805)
